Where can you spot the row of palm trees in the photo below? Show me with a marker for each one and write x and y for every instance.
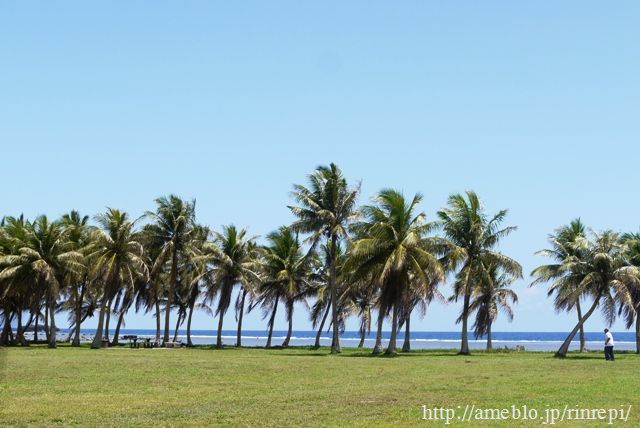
(383, 257)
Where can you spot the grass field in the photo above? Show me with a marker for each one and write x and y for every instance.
(299, 387)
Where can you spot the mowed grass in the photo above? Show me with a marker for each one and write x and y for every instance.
(297, 387)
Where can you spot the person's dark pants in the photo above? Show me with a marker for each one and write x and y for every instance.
(608, 353)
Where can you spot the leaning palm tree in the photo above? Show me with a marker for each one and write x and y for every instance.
(471, 240)
(601, 272)
(392, 249)
(117, 260)
(234, 262)
(172, 226)
(632, 254)
(493, 294)
(287, 277)
(41, 261)
(325, 210)
(567, 246)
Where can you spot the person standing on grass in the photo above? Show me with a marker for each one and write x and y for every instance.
(608, 345)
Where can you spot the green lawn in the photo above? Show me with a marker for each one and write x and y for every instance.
(293, 387)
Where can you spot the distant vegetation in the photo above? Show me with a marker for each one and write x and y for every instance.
(345, 259)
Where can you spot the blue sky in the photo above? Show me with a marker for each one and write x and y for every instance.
(534, 106)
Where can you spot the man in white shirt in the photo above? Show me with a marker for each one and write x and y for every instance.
(608, 345)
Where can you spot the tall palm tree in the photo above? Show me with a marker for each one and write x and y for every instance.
(79, 235)
(567, 245)
(172, 226)
(287, 277)
(117, 260)
(41, 261)
(233, 259)
(392, 250)
(325, 210)
(632, 254)
(492, 295)
(471, 240)
(601, 272)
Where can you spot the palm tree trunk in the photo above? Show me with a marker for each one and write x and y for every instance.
(175, 332)
(35, 331)
(219, 338)
(4, 337)
(489, 342)
(172, 290)
(46, 321)
(406, 346)
(324, 319)
(377, 348)
(157, 320)
(97, 339)
(335, 342)
(189, 343)
(564, 348)
(117, 332)
(272, 321)
(464, 343)
(20, 331)
(637, 334)
(290, 310)
(581, 327)
(363, 333)
(391, 349)
(76, 338)
(108, 319)
(52, 315)
(240, 315)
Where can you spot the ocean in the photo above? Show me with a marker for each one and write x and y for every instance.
(531, 341)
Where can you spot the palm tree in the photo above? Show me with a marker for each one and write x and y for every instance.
(326, 209)
(492, 295)
(41, 261)
(601, 272)
(393, 249)
(471, 239)
(287, 275)
(173, 224)
(632, 254)
(420, 295)
(117, 257)
(233, 258)
(567, 245)
(78, 235)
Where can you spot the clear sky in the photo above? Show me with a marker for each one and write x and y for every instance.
(535, 106)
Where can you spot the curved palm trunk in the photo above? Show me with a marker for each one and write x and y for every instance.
(324, 319)
(391, 349)
(52, 314)
(335, 342)
(35, 331)
(219, 338)
(406, 346)
(489, 341)
(290, 310)
(97, 339)
(175, 332)
(240, 315)
(581, 327)
(377, 348)
(76, 336)
(172, 290)
(564, 348)
(4, 337)
(116, 334)
(189, 343)
(464, 343)
(271, 322)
